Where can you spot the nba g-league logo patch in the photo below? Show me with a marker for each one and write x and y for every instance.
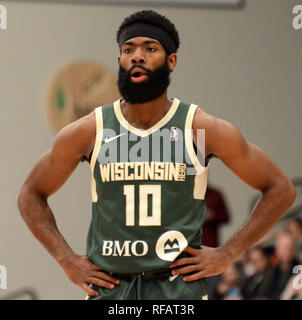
(173, 134)
(3, 277)
(3, 17)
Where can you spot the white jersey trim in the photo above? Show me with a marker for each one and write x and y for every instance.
(200, 184)
(96, 149)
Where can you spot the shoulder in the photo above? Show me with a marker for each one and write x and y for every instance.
(82, 128)
(78, 136)
(218, 132)
(204, 120)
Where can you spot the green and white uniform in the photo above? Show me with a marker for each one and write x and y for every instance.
(148, 190)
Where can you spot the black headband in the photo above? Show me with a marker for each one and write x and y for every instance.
(140, 29)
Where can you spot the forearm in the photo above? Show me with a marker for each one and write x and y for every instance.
(272, 206)
(40, 220)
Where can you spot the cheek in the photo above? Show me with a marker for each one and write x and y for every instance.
(156, 59)
(124, 61)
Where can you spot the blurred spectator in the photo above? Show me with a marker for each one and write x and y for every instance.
(256, 285)
(279, 275)
(294, 227)
(293, 289)
(247, 269)
(217, 214)
(263, 272)
(260, 273)
(229, 286)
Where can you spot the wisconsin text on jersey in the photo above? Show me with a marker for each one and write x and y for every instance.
(122, 171)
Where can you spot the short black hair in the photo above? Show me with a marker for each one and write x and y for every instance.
(154, 18)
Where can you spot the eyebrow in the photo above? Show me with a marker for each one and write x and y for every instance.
(145, 42)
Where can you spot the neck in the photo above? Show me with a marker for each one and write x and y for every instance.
(144, 115)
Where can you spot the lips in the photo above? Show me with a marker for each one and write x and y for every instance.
(138, 75)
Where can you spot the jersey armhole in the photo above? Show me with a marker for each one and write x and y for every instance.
(190, 145)
(98, 137)
(200, 183)
(207, 159)
(96, 149)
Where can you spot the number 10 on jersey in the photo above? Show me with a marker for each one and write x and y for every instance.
(145, 219)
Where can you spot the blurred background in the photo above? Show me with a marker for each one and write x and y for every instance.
(240, 63)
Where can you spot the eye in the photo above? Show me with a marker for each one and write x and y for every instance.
(127, 50)
(151, 49)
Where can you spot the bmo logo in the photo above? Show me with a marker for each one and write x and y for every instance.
(170, 244)
(126, 249)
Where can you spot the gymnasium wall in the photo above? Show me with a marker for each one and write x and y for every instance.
(242, 65)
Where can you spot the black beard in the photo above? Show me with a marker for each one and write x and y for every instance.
(157, 82)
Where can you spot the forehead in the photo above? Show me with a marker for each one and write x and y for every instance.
(139, 41)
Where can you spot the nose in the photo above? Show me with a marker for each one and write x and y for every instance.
(138, 56)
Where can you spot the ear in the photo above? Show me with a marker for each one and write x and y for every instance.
(119, 60)
(172, 60)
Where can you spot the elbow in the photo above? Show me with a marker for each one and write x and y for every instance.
(287, 191)
(293, 193)
(28, 198)
(25, 200)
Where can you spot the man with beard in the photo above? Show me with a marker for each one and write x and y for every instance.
(149, 176)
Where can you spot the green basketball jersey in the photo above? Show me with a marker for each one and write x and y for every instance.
(148, 190)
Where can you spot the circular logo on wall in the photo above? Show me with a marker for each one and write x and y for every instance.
(170, 244)
(77, 90)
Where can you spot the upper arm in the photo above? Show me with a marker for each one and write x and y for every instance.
(55, 166)
(248, 161)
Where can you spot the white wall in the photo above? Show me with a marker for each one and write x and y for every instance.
(244, 66)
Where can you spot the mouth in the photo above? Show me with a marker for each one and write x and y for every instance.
(138, 76)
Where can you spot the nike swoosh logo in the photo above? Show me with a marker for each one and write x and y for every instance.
(171, 278)
(107, 139)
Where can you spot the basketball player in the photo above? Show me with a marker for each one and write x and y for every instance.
(148, 205)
